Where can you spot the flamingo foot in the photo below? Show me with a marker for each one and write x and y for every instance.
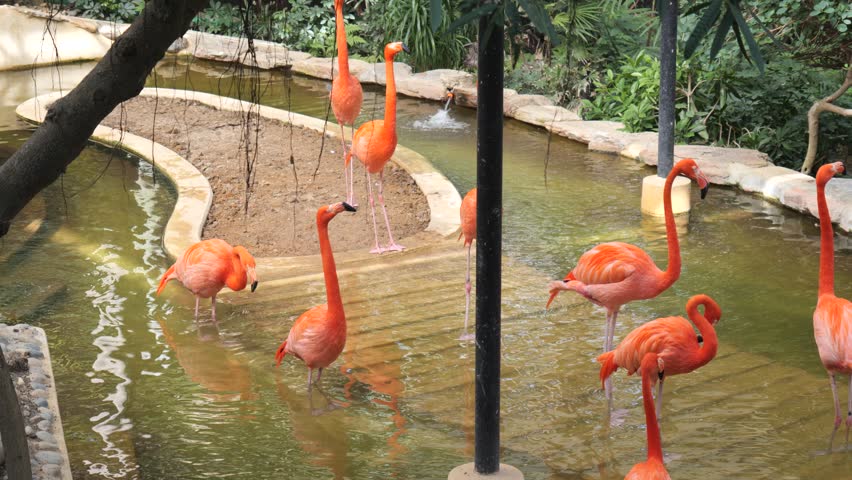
(378, 250)
(394, 247)
(467, 337)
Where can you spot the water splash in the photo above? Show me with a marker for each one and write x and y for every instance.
(441, 120)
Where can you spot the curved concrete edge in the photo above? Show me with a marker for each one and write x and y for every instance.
(443, 198)
(195, 196)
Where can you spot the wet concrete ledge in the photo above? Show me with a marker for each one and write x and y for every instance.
(195, 195)
(749, 170)
(36, 389)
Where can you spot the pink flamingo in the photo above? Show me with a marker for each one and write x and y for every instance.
(652, 367)
(672, 339)
(317, 337)
(468, 229)
(346, 97)
(374, 143)
(833, 315)
(208, 266)
(615, 273)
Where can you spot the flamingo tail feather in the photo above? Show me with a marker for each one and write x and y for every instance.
(608, 366)
(280, 353)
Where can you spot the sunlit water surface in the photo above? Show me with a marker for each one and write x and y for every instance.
(145, 394)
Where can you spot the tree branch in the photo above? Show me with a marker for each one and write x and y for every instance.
(119, 76)
(826, 104)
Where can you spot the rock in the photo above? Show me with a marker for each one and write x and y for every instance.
(544, 115)
(28, 430)
(717, 162)
(51, 471)
(512, 103)
(465, 96)
(434, 83)
(112, 30)
(49, 457)
(179, 44)
(375, 73)
(46, 437)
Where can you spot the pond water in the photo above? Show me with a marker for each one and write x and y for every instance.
(145, 394)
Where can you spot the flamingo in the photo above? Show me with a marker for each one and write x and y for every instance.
(833, 315)
(346, 97)
(615, 273)
(318, 335)
(672, 339)
(652, 367)
(374, 143)
(468, 229)
(208, 266)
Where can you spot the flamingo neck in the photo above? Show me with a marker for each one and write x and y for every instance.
(342, 50)
(826, 231)
(655, 448)
(236, 279)
(673, 268)
(711, 342)
(329, 271)
(390, 95)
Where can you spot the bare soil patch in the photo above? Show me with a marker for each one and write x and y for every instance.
(279, 221)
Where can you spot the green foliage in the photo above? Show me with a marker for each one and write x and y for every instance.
(113, 10)
(409, 21)
(219, 18)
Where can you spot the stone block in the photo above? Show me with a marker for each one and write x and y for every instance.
(652, 195)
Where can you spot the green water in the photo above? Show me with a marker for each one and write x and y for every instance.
(145, 394)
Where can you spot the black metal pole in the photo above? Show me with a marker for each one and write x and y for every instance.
(489, 228)
(668, 74)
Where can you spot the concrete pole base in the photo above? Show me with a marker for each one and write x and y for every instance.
(652, 195)
(468, 472)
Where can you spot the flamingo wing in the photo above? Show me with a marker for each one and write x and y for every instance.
(314, 340)
(667, 337)
(833, 333)
(204, 266)
(611, 262)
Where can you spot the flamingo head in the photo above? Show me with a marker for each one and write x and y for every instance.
(688, 168)
(712, 312)
(249, 264)
(393, 48)
(556, 286)
(325, 214)
(827, 171)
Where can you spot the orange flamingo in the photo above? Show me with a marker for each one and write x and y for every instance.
(318, 335)
(346, 97)
(374, 143)
(673, 339)
(652, 367)
(208, 266)
(468, 229)
(833, 315)
(615, 273)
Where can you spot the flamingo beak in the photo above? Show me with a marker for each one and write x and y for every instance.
(553, 293)
(405, 49)
(349, 208)
(253, 286)
(704, 191)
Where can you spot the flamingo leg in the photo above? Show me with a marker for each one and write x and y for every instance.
(607, 347)
(392, 246)
(319, 376)
(310, 379)
(197, 300)
(346, 182)
(377, 248)
(836, 409)
(465, 335)
(213, 303)
(849, 412)
(351, 174)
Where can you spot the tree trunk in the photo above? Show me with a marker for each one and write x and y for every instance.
(119, 76)
(826, 104)
(668, 79)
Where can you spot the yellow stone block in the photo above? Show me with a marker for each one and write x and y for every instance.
(652, 195)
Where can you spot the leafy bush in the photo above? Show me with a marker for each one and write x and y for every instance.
(114, 10)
